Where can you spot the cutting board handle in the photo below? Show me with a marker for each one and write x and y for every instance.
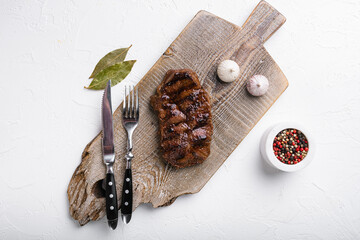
(260, 25)
(263, 21)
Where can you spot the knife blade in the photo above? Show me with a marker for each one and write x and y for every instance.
(109, 158)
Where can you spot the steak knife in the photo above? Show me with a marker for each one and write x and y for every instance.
(109, 158)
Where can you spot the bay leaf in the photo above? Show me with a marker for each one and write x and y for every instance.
(116, 73)
(110, 59)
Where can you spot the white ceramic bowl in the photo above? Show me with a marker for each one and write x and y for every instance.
(267, 152)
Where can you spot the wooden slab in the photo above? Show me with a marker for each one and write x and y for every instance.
(201, 46)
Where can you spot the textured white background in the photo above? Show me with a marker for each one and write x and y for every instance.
(49, 48)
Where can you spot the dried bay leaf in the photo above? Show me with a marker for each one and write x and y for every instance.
(110, 59)
(116, 73)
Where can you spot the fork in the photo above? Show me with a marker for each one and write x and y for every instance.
(130, 118)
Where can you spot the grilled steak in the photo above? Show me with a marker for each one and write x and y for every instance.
(184, 112)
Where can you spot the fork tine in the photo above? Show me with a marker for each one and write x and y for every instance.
(124, 104)
(129, 98)
(128, 102)
(137, 102)
(132, 102)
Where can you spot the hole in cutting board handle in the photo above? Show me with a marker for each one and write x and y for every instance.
(98, 190)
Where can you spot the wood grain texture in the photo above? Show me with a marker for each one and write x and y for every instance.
(201, 46)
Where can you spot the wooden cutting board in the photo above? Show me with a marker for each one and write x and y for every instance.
(202, 45)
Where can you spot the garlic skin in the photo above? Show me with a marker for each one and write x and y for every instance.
(228, 71)
(257, 85)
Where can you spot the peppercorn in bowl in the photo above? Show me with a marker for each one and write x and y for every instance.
(287, 146)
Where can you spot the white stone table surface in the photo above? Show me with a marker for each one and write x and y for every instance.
(48, 49)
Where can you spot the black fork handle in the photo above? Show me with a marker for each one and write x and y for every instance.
(127, 196)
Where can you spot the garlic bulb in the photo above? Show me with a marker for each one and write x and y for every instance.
(257, 85)
(228, 71)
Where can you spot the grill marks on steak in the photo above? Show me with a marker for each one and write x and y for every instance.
(184, 113)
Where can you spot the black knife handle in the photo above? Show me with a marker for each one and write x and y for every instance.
(127, 194)
(111, 201)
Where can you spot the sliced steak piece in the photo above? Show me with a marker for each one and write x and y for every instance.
(184, 112)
